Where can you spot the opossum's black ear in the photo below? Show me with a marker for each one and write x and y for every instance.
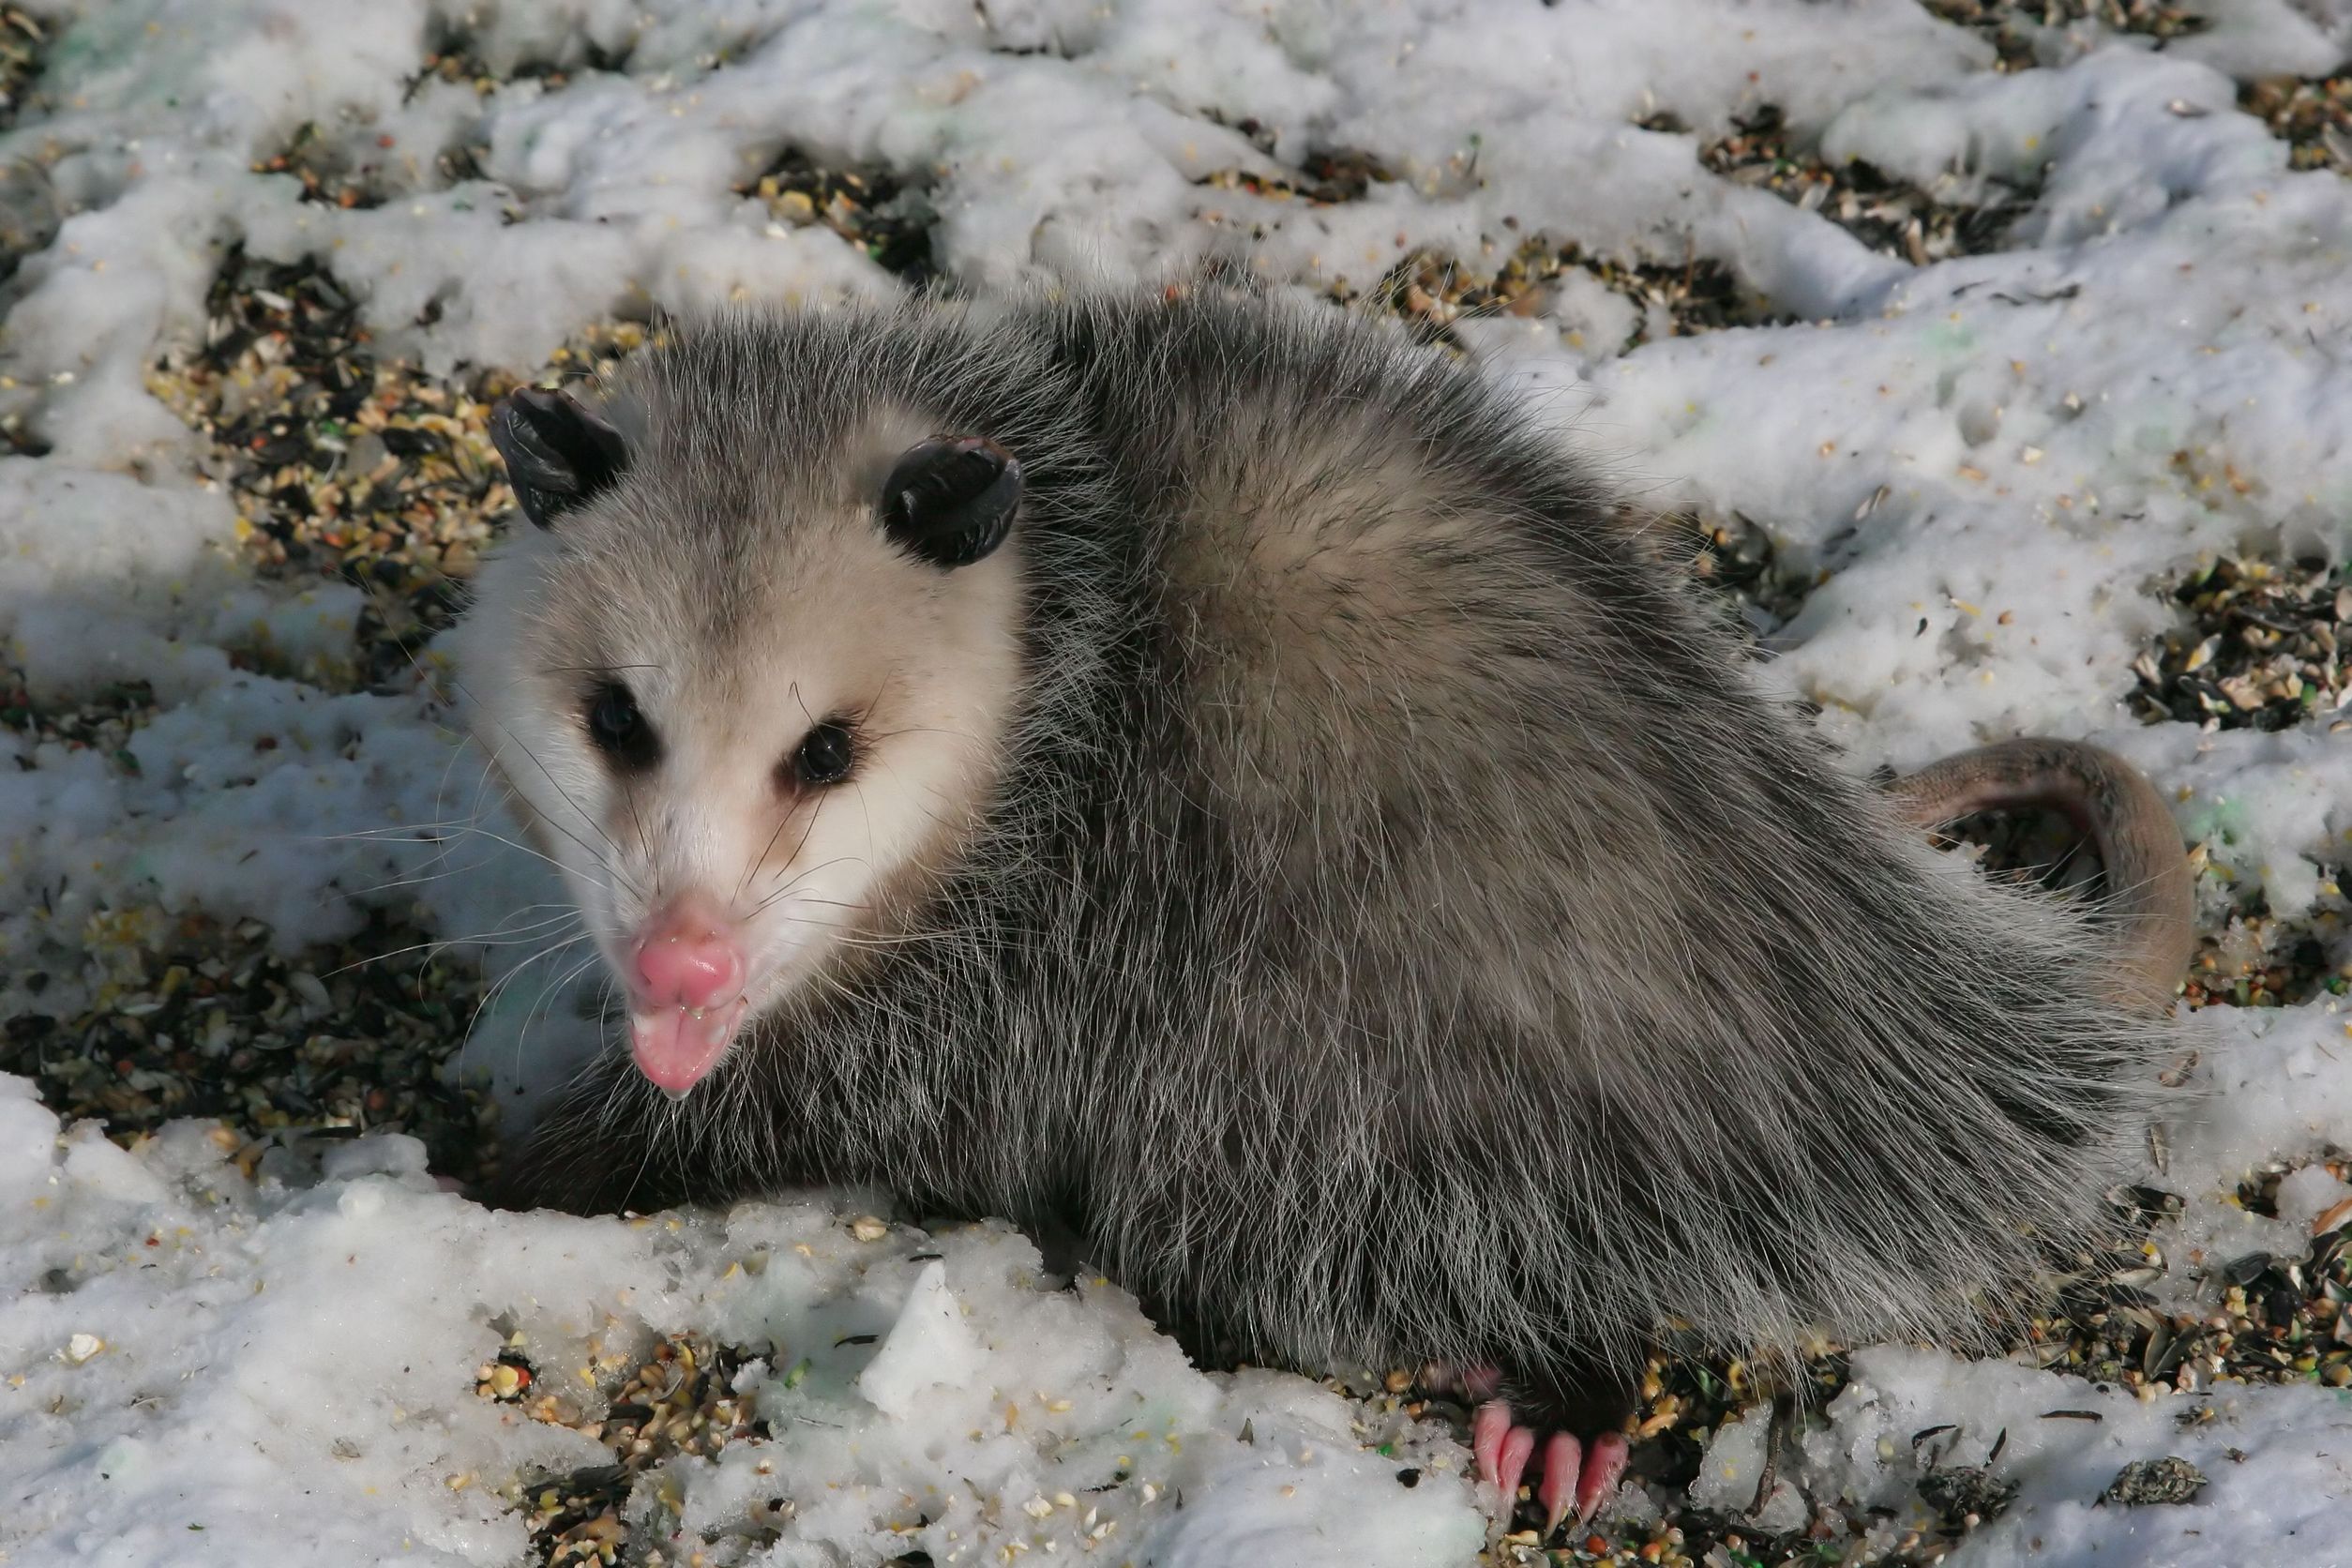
(559, 455)
(951, 499)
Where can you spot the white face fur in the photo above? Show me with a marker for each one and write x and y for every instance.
(742, 744)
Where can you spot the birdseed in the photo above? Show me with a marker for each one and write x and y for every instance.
(2264, 644)
(2255, 958)
(23, 47)
(196, 1017)
(679, 1400)
(2144, 1482)
(1889, 215)
(2313, 115)
(1323, 179)
(1430, 293)
(2029, 33)
(1966, 1495)
(345, 465)
(327, 171)
(1737, 557)
(882, 212)
(453, 54)
(31, 205)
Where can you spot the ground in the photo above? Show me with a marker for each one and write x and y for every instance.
(1985, 356)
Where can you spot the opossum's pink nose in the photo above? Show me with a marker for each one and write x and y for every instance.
(686, 995)
(685, 961)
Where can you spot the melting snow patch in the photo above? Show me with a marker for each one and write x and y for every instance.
(195, 1367)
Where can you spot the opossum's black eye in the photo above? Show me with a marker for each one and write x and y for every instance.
(620, 728)
(558, 454)
(951, 499)
(827, 754)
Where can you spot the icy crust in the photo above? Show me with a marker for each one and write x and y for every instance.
(196, 1368)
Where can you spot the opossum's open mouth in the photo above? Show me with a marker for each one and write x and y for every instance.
(677, 1046)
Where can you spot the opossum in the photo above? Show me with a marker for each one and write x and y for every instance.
(1213, 780)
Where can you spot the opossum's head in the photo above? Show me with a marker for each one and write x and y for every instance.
(745, 684)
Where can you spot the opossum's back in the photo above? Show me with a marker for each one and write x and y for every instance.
(1425, 691)
(1491, 846)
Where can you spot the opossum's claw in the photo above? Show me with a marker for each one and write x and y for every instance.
(1564, 1462)
(1502, 1450)
(1490, 1433)
(1603, 1468)
(1518, 1446)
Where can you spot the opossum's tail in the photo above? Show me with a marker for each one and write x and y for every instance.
(2110, 803)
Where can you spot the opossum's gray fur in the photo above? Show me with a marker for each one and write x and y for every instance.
(1400, 930)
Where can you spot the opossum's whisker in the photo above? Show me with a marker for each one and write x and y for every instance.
(601, 864)
(753, 865)
(403, 833)
(788, 887)
(552, 945)
(417, 880)
(548, 775)
(645, 842)
(538, 856)
(799, 877)
(499, 987)
(438, 837)
(539, 1004)
(503, 937)
(596, 858)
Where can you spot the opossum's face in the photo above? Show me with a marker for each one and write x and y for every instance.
(746, 737)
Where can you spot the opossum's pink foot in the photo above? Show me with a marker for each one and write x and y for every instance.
(1575, 1478)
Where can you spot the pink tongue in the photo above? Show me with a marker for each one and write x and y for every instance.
(676, 1047)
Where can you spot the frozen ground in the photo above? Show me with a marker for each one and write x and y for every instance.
(1980, 479)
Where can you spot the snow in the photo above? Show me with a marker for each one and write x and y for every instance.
(1992, 460)
(2275, 1444)
(2276, 1460)
(202, 1369)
